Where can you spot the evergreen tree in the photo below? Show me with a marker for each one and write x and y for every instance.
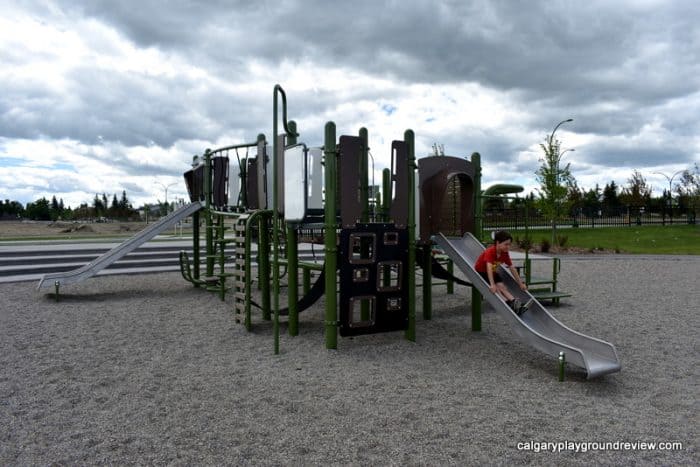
(611, 201)
(39, 210)
(591, 202)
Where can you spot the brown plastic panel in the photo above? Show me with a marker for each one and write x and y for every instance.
(435, 175)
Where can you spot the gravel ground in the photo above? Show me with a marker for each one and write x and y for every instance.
(148, 370)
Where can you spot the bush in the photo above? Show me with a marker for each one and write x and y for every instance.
(562, 240)
(545, 245)
(525, 243)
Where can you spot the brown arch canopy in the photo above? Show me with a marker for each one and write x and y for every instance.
(446, 187)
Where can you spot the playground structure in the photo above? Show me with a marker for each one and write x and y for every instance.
(255, 210)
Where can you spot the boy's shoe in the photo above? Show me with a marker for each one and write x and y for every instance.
(524, 307)
(515, 305)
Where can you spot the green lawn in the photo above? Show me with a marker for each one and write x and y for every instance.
(674, 240)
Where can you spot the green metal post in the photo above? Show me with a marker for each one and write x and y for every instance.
(427, 283)
(292, 260)
(195, 247)
(275, 209)
(562, 364)
(209, 234)
(330, 154)
(409, 138)
(264, 266)
(450, 282)
(478, 231)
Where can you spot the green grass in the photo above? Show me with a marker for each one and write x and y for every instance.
(673, 240)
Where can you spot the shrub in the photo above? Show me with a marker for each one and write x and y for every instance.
(562, 240)
(524, 243)
(545, 245)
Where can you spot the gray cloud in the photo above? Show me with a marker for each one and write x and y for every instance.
(615, 67)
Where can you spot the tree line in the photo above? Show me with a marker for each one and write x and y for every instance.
(43, 209)
(612, 199)
(560, 196)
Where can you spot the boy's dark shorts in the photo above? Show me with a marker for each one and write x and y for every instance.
(496, 277)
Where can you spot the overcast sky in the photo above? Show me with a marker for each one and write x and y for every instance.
(119, 95)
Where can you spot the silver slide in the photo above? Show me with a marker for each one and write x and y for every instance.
(536, 326)
(118, 252)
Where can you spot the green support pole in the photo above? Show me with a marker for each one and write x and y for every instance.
(195, 247)
(264, 266)
(330, 154)
(562, 365)
(292, 260)
(478, 230)
(275, 208)
(209, 234)
(427, 283)
(450, 282)
(409, 138)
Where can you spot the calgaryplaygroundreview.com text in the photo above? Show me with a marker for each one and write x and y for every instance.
(586, 446)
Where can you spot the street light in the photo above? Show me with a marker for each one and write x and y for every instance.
(670, 189)
(551, 137)
(565, 151)
(556, 169)
(165, 187)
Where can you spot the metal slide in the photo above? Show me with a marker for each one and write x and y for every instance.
(118, 252)
(536, 326)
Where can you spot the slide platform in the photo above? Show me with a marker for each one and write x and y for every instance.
(535, 327)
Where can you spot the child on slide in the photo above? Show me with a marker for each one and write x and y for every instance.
(487, 266)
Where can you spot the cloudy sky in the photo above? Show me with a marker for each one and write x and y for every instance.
(104, 96)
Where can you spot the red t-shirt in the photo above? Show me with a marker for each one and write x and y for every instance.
(489, 256)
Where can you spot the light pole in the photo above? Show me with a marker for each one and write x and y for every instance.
(551, 137)
(165, 187)
(565, 151)
(556, 159)
(670, 190)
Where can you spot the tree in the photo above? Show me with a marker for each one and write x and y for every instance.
(574, 199)
(638, 193)
(124, 202)
(591, 201)
(611, 201)
(39, 210)
(690, 188)
(554, 180)
(11, 209)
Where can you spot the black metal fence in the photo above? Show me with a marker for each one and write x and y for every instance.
(518, 218)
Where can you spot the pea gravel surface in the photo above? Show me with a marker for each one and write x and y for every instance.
(148, 370)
